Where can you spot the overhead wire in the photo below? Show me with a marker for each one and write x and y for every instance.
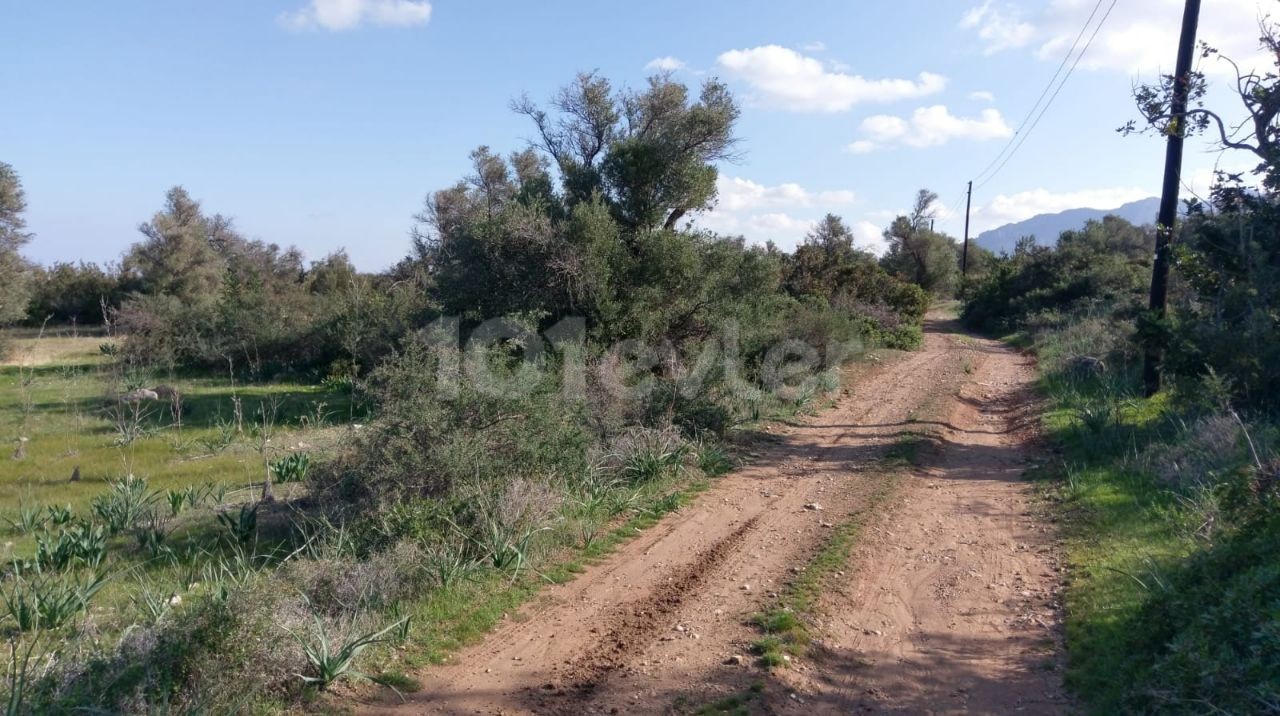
(1045, 109)
(1048, 86)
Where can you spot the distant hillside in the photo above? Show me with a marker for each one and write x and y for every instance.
(1047, 227)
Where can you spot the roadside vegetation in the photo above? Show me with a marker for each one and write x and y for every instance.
(237, 481)
(1171, 502)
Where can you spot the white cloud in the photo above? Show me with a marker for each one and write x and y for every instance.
(783, 229)
(999, 28)
(982, 96)
(1140, 37)
(867, 235)
(339, 15)
(928, 127)
(783, 213)
(818, 46)
(665, 64)
(1010, 208)
(786, 79)
(738, 194)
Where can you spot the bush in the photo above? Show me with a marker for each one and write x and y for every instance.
(425, 441)
(1212, 636)
(1228, 322)
(1103, 269)
(81, 293)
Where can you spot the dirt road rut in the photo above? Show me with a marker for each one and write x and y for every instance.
(948, 605)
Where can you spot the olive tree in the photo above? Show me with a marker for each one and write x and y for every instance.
(15, 272)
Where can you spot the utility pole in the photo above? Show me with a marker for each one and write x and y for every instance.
(1169, 194)
(964, 255)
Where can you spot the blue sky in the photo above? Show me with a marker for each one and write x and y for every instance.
(324, 123)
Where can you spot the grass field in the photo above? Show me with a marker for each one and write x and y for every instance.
(56, 393)
(58, 417)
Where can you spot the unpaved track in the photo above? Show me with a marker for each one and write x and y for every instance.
(648, 630)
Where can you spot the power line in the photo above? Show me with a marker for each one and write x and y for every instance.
(1063, 83)
(1049, 85)
(955, 205)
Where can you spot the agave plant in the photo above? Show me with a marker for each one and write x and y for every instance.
(449, 564)
(45, 602)
(223, 573)
(124, 504)
(331, 662)
(78, 544)
(59, 516)
(151, 538)
(28, 519)
(506, 545)
(177, 500)
(243, 526)
(291, 468)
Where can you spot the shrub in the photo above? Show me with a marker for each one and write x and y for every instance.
(125, 503)
(1228, 323)
(425, 441)
(291, 468)
(644, 455)
(347, 587)
(48, 602)
(1103, 268)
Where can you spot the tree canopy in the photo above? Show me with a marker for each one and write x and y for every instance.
(14, 270)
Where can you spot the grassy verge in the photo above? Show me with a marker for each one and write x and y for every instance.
(455, 616)
(1172, 544)
(1121, 529)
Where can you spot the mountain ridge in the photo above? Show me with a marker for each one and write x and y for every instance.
(1047, 227)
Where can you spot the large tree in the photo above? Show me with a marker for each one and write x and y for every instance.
(179, 256)
(826, 254)
(630, 166)
(14, 270)
(649, 154)
(919, 254)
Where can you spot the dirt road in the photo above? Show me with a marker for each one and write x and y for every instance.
(946, 607)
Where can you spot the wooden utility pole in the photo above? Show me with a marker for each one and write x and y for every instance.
(1169, 193)
(964, 255)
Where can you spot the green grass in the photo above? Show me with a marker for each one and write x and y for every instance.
(1159, 617)
(53, 392)
(1119, 531)
(462, 614)
(70, 425)
(59, 405)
